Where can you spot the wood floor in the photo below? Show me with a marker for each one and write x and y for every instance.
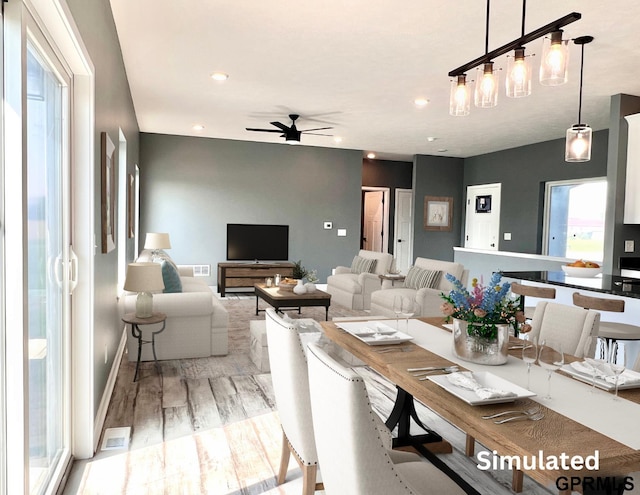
(209, 426)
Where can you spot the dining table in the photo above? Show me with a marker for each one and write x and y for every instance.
(580, 421)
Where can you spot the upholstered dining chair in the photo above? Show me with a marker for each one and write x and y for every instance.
(571, 326)
(610, 331)
(352, 454)
(531, 291)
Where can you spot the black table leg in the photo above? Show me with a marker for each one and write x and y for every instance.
(135, 331)
(403, 411)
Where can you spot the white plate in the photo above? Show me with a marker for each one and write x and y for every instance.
(485, 379)
(374, 332)
(580, 272)
(600, 383)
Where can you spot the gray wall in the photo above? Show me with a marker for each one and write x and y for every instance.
(523, 172)
(113, 110)
(437, 176)
(192, 187)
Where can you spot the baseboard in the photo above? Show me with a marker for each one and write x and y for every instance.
(108, 390)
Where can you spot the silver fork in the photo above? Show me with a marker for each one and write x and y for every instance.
(453, 369)
(531, 417)
(446, 369)
(531, 410)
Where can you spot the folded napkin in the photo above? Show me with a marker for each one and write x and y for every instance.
(604, 372)
(464, 379)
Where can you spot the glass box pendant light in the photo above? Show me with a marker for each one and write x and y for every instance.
(578, 143)
(460, 97)
(486, 93)
(555, 60)
(518, 75)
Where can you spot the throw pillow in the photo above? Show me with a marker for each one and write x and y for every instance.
(363, 265)
(170, 277)
(419, 278)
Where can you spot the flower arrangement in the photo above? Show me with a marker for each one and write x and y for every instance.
(484, 307)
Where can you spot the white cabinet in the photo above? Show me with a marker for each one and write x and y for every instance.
(632, 185)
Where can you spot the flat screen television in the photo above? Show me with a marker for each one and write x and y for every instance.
(252, 242)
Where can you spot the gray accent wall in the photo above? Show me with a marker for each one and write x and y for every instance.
(192, 187)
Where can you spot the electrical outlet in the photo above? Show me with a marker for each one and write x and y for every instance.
(629, 246)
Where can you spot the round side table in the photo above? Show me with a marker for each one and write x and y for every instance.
(135, 322)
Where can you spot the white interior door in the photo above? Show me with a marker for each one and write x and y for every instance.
(403, 229)
(482, 226)
(373, 222)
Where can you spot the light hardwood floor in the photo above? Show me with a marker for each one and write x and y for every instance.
(209, 426)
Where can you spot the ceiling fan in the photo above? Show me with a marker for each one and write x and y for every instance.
(292, 133)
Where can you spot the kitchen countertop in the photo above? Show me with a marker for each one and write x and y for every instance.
(606, 284)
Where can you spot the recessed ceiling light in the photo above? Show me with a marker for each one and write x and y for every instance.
(421, 102)
(431, 139)
(337, 139)
(198, 127)
(219, 76)
(371, 156)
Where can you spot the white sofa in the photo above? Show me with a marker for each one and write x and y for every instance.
(353, 290)
(427, 299)
(197, 323)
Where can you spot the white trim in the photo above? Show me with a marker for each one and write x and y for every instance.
(399, 191)
(108, 390)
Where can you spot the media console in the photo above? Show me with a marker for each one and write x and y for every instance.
(235, 275)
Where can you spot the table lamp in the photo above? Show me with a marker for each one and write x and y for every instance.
(144, 278)
(157, 241)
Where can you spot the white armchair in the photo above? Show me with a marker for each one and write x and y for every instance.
(352, 453)
(352, 286)
(426, 299)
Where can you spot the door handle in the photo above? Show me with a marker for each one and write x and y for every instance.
(73, 270)
(399, 240)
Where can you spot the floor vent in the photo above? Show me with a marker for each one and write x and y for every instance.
(116, 438)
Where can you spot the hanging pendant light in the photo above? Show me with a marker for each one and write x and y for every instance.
(487, 82)
(578, 143)
(555, 60)
(518, 75)
(460, 97)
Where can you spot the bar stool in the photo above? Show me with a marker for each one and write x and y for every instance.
(610, 331)
(531, 291)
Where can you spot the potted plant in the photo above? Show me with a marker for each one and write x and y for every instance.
(299, 271)
(482, 318)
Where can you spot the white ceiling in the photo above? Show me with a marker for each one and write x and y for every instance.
(359, 65)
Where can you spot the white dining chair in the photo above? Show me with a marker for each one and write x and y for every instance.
(571, 326)
(352, 454)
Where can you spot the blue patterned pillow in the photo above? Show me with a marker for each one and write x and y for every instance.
(170, 277)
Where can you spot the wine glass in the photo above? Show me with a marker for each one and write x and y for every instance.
(551, 358)
(529, 355)
(397, 309)
(617, 361)
(594, 363)
(407, 310)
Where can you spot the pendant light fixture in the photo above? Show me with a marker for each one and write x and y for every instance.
(460, 97)
(578, 144)
(555, 60)
(487, 80)
(518, 75)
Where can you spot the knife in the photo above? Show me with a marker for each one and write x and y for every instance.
(429, 368)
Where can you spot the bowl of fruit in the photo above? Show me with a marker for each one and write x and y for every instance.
(582, 269)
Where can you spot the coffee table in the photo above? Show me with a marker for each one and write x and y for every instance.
(288, 299)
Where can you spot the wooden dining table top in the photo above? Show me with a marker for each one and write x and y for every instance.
(554, 435)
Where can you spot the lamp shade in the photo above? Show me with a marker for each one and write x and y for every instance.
(460, 97)
(555, 60)
(578, 143)
(487, 81)
(143, 277)
(155, 240)
(518, 75)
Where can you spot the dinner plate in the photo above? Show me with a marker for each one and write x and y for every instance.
(374, 332)
(600, 383)
(484, 379)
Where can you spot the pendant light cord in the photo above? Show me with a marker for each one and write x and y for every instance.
(486, 36)
(581, 71)
(524, 11)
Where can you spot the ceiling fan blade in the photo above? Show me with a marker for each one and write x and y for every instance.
(280, 125)
(263, 130)
(317, 129)
(317, 134)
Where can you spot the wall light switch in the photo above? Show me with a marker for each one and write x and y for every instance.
(328, 225)
(629, 246)
(342, 232)
(507, 236)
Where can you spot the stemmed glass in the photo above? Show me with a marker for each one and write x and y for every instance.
(407, 310)
(397, 309)
(529, 355)
(593, 362)
(618, 364)
(552, 359)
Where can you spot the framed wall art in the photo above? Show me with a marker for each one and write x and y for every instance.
(438, 213)
(108, 196)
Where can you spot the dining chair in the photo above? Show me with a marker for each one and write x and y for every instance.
(610, 331)
(289, 375)
(352, 454)
(531, 291)
(571, 326)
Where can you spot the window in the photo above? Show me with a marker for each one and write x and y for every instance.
(574, 219)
